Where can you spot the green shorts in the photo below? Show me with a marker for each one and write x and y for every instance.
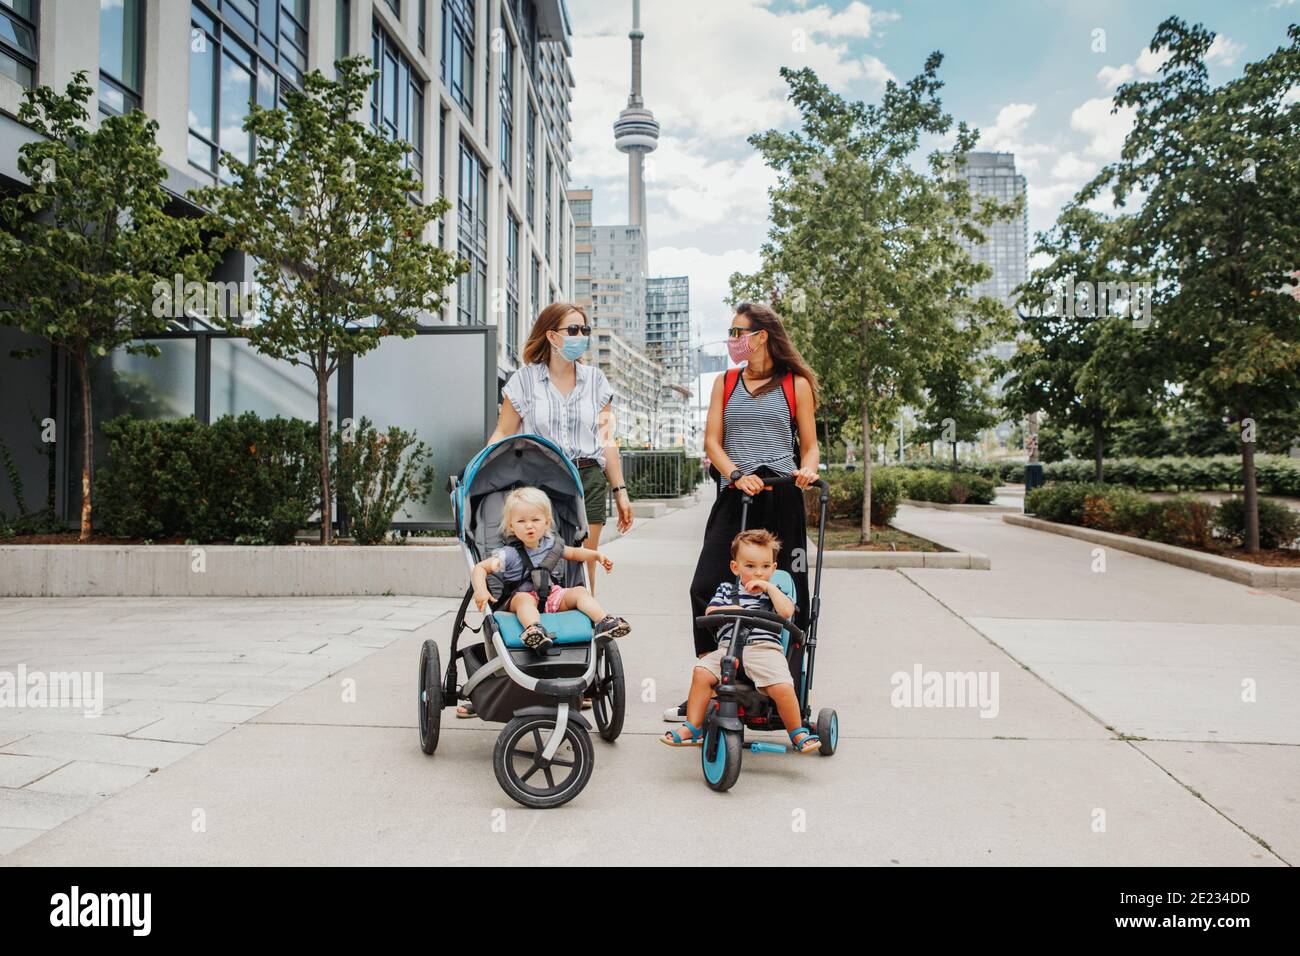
(595, 491)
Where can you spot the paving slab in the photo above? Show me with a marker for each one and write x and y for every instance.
(87, 778)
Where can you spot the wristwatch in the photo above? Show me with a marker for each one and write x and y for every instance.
(617, 488)
(735, 475)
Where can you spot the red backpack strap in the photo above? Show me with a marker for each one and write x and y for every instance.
(787, 386)
(729, 384)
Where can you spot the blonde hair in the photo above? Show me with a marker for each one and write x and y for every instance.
(525, 496)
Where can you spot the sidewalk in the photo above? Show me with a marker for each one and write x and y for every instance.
(1148, 649)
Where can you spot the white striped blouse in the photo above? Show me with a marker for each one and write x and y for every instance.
(571, 421)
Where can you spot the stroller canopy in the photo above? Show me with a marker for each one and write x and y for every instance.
(479, 498)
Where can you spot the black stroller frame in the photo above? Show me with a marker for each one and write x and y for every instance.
(739, 705)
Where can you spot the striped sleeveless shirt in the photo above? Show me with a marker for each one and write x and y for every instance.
(756, 431)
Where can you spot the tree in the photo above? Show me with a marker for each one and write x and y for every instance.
(84, 247)
(958, 404)
(1220, 222)
(326, 210)
(865, 253)
(1080, 360)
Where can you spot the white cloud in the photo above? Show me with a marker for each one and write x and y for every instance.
(1223, 51)
(1008, 135)
(1113, 76)
(1149, 62)
(1106, 130)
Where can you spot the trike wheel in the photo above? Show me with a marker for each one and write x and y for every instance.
(828, 729)
(720, 757)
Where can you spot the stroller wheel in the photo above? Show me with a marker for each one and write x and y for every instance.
(430, 697)
(720, 757)
(517, 761)
(828, 729)
(608, 691)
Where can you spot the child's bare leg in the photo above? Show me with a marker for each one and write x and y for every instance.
(525, 608)
(787, 704)
(702, 684)
(582, 599)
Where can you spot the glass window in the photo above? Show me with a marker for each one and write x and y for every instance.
(507, 97)
(546, 212)
(120, 26)
(419, 27)
(512, 288)
(530, 149)
(397, 99)
(18, 40)
(342, 27)
(458, 52)
(396, 7)
(226, 74)
(473, 237)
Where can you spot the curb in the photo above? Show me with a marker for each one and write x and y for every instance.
(968, 509)
(1241, 572)
(892, 560)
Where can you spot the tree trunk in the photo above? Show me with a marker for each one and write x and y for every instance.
(866, 474)
(954, 456)
(323, 418)
(1098, 445)
(1249, 496)
(87, 447)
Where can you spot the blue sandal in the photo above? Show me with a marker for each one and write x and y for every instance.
(808, 744)
(697, 736)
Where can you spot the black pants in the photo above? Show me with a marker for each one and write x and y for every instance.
(780, 511)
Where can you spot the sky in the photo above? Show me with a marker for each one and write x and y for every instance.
(1034, 76)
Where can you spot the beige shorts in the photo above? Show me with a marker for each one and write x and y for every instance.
(764, 662)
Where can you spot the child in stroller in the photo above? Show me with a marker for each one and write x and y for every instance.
(526, 567)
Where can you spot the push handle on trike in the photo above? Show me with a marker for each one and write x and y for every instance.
(719, 618)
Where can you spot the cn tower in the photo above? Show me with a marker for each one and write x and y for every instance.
(636, 132)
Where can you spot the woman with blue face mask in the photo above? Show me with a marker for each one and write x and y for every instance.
(568, 402)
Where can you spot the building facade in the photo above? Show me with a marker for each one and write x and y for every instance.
(618, 281)
(668, 343)
(635, 380)
(481, 90)
(1006, 250)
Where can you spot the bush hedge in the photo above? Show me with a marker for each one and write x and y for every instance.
(844, 488)
(1183, 520)
(1274, 474)
(244, 479)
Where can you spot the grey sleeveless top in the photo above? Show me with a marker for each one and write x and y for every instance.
(756, 431)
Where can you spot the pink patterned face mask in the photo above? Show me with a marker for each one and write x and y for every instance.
(740, 348)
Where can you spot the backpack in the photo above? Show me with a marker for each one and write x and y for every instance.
(729, 383)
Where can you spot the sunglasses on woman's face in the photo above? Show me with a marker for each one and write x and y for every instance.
(575, 329)
(736, 331)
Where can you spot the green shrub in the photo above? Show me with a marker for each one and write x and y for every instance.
(948, 487)
(1185, 520)
(1275, 474)
(375, 477)
(1279, 526)
(245, 478)
(1062, 501)
(844, 490)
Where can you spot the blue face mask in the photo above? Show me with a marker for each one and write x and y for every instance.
(574, 346)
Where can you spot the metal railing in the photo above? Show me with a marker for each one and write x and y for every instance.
(653, 474)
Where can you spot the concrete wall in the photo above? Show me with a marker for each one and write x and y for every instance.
(229, 570)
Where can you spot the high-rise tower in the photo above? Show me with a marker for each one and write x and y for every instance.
(636, 132)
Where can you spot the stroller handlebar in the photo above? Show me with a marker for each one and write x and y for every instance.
(777, 480)
(720, 618)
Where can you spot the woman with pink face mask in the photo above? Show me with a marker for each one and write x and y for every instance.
(760, 424)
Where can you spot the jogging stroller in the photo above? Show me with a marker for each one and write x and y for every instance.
(543, 757)
(738, 703)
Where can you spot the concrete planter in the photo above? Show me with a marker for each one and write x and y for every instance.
(1243, 572)
(57, 570)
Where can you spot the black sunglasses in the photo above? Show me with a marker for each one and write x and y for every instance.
(575, 329)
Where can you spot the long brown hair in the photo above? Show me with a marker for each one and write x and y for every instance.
(785, 357)
(537, 351)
